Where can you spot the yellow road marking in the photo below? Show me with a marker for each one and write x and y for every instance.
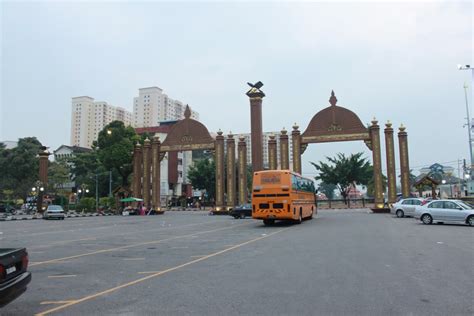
(32, 264)
(90, 297)
(198, 256)
(55, 302)
(62, 276)
(149, 272)
(131, 259)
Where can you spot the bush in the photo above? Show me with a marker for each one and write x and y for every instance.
(86, 204)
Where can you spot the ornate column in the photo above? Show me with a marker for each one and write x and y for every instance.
(404, 162)
(219, 171)
(146, 172)
(390, 153)
(137, 171)
(284, 159)
(43, 176)
(272, 153)
(256, 96)
(156, 174)
(242, 149)
(230, 171)
(296, 139)
(377, 161)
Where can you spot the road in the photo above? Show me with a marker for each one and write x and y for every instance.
(343, 262)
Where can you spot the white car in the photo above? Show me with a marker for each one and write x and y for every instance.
(54, 211)
(406, 207)
(441, 211)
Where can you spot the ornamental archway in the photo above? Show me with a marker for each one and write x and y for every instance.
(186, 135)
(335, 124)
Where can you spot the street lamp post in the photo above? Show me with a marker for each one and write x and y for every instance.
(38, 190)
(468, 67)
(81, 191)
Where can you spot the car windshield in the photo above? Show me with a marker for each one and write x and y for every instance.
(55, 208)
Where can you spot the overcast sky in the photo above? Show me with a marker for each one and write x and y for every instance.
(393, 61)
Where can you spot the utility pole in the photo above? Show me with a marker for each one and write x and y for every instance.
(96, 192)
(110, 183)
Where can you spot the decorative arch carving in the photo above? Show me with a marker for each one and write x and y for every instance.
(333, 124)
(188, 134)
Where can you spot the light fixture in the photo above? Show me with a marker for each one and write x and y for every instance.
(443, 181)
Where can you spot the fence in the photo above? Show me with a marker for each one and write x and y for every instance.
(349, 203)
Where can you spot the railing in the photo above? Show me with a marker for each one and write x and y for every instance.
(349, 203)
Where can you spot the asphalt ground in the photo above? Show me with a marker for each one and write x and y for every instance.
(343, 262)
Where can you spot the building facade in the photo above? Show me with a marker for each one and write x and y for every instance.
(88, 118)
(153, 106)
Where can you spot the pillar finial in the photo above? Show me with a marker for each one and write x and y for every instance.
(295, 126)
(402, 128)
(388, 124)
(374, 121)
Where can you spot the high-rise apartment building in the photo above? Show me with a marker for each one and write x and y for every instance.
(89, 118)
(153, 106)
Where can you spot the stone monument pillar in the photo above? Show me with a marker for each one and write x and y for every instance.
(146, 172)
(256, 96)
(219, 158)
(272, 153)
(156, 173)
(284, 159)
(390, 152)
(43, 176)
(377, 161)
(230, 171)
(404, 162)
(242, 149)
(137, 171)
(296, 139)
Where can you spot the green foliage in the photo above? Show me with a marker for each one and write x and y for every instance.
(202, 176)
(58, 175)
(327, 189)
(86, 204)
(107, 202)
(19, 167)
(115, 148)
(344, 171)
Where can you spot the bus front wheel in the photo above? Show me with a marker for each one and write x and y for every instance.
(268, 222)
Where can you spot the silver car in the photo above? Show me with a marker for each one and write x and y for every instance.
(54, 211)
(406, 207)
(453, 211)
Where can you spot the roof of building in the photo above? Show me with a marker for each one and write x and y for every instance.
(74, 149)
(154, 129)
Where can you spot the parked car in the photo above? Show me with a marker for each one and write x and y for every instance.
(54, 211)
(406, 207)
(13, 275)
(453, 211)
(242, 211)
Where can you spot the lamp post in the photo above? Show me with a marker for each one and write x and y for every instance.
(38, 190)
(81, 191)
(468, 67)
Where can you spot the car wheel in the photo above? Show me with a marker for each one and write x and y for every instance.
(242, 215)
(470, 220)
(400, 214)
(427, 219)
(268, 222)
(236, 217)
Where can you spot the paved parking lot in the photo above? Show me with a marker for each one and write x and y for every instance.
(344, 262)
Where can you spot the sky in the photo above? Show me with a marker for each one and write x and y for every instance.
(393, 61)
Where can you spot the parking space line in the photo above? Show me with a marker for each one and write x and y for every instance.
(58, 260)
(148, 272)
(198, 256)
(62, 276)
(55, 302)
(93, 296)
(133, 259)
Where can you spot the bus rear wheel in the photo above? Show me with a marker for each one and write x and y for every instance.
(300, 218)
(268, 222)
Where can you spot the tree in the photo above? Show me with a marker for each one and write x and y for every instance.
(344, 171)
(203, 176)
(58, 175)
(19, 167)
(114, 146)
(327, 189)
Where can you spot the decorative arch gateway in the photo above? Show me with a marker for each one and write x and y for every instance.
(335, 124)
(186, 135)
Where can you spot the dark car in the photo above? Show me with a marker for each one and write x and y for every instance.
(13, 275)
(241, 211)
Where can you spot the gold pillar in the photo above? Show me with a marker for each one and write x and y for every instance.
(284, 159)
(404, 164)
(230, 171)
(390, 153)
(377, 161)
(242, 149)
(137, 171)
(296, 138)
(156, 176)
(219, 171)
(146, 173)
(272, 153)
(43, 176)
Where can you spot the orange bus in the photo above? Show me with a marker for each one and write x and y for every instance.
(282, 195)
